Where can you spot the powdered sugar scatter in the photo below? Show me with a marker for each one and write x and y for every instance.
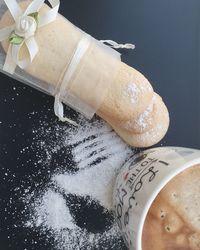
(143, 121)
(80, 177)
(132, 91)
(91, 183)
(51, 212)
(144, 118)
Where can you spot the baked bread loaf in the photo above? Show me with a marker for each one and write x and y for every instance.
(122, 95)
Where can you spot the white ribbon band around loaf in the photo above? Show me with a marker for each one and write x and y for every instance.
(82, 47)
(22, 33)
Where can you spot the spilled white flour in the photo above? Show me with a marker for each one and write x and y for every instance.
(96, 141)
(96, 182)
(96, 154)
(51, 212)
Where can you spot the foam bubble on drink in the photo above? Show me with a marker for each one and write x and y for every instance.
(173, 221)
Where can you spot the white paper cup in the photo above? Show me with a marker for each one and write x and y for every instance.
(140, 181)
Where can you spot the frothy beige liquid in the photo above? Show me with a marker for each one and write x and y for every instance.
(173, 221)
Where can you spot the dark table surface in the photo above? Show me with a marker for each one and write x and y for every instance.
(166, 35)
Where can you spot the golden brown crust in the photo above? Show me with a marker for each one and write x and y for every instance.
(154, 134)
(127, 97)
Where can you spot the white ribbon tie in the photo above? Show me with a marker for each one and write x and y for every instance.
(23, 31)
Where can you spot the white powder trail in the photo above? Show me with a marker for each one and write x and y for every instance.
(96, 143)
(87, 131)
(116, 150)
(96, 182)
(98, 154)
(51, 212)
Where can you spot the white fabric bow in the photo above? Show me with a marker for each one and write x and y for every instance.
(23, 31)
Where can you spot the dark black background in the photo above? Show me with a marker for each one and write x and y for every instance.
(166, 35)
